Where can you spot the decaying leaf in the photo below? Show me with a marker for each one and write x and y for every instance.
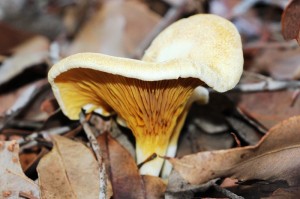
(284, 64)
(154, 187)
(68, 171)
(269, 108)
(275, 157)
(124, 174)
(131, 20)
(19, 99)
(33, 51)
(13, 181)
(281, 193)
(179, 188)
(122, 169)
(11, 37)
(291, 22)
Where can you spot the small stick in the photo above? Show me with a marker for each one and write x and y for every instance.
(226, 192)
(26, 195)
(97, 151)
(237, 141)
(172, 15)
(268, 85)
(295, 97)
(251, 121)
(151, 157)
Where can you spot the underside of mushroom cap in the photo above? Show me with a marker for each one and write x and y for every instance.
(86, 65)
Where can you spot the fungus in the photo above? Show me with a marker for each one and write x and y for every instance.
(152, 95)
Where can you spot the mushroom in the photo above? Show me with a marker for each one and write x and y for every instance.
(151, 95)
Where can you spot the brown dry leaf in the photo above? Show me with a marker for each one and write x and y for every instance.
(123, 169)
(283, 193)
(17, 99)
(179, 188)
(131, 20)
(68, 171)
(276, 157)
(154, 187)
(11, 37)
(290, 21)
(33, 51)
(269, 108)
(281, 64)
(13, 180)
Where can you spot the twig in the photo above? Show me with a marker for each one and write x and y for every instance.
(17, 110)
(30, 140)
(268, 85)
(151, 157)
(252, 122)
(172, 15)
(26, 195)
(24, 124)
(270, 45)
(45, 134)
(97, 151)
(237, 141)
(226, 192)
(295, 97)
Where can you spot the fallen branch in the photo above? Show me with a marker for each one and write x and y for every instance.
(267, 85)
(172, 15)
(226, 192)
(97, 151)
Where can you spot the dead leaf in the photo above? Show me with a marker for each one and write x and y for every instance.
(68, 171)
(18, 99)
(131, 20)
(283, 193)
(33, 51)
(154, 187)
(290, 21)
(13, 180)
(49, 105)
(179, 188)
(276, 157)
(122, 169)
(11, 37)
(281, 64)
(269, 108)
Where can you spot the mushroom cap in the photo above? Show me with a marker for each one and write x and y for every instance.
(204, 46)
(207, 42)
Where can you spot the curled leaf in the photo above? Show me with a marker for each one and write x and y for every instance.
(68, 171)
(275, 157)
(13, 181)
(291, 22)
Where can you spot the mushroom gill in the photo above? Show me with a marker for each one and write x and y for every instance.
(151, 108)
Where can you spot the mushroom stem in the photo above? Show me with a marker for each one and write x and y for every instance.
(201, 96)
(152, 167)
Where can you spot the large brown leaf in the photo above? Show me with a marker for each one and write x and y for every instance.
(32, 52)
(275, 157)
(124, 174)
(13, 181)
(269, 108)
(291, 22)
(68, 171)
(115, 29)
(154, 187)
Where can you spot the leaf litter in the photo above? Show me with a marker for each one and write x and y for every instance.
(30, 115)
